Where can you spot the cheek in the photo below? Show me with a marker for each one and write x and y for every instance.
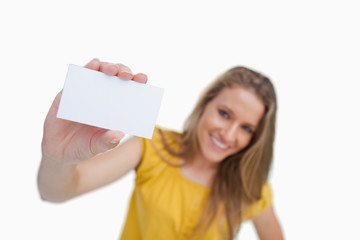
(203, 122)
(206, 124)
(244, 141)
(211, 119)
(202, 130)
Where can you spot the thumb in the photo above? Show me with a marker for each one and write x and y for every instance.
(106, 141)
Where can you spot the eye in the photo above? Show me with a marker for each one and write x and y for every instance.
(224, 114)
(247, 129)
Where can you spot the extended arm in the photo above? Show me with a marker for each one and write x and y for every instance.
(76, 157)
(58, 181)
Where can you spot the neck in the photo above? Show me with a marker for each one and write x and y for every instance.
(200, 163)
(200, 171)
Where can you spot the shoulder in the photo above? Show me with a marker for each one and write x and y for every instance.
(156, 149)
(161, 139)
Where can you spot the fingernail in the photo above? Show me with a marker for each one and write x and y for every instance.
(116, 140)
(126, 71)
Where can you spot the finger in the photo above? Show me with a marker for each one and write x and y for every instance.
(93, 64)
(140, 77)
(115, 137)
(108, 68)
(106, 141)
(118, 70)
(124, 72)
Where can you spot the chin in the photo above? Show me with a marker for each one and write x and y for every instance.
(215, 158)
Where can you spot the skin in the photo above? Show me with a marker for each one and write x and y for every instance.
(228, 123)
(267, 225)
(225, 127)
(76, 157)
(63, 172)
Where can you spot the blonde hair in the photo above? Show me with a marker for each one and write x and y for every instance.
(240, 177)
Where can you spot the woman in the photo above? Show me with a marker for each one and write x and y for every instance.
(200, 184)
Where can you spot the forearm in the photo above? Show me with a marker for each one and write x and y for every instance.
(56, 181)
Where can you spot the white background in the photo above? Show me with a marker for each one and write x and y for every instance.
(310, 50)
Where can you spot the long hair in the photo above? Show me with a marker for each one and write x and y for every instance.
(240, 177)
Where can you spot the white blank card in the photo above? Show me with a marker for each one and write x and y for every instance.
(94, 98)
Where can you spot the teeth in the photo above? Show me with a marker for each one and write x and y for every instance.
(219, 144)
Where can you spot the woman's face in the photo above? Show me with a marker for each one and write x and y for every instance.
(228, 123)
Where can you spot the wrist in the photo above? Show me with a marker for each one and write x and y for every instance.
(56, 180)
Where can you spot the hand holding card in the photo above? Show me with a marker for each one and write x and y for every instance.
(95, 102)
(96, 99)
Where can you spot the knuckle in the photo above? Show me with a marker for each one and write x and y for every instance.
(123, 68)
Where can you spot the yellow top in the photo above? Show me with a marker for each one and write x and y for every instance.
(166, 205)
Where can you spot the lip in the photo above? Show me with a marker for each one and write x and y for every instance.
(216, 146)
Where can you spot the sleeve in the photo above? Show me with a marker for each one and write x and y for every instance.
(150, 160)
(259, 206)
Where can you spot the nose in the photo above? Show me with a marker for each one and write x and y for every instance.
(229, 133)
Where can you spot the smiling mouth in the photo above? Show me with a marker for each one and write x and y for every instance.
(219, 144)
